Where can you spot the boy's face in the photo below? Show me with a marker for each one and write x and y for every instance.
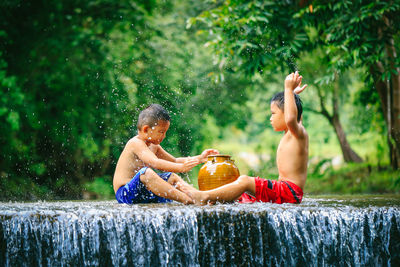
(156, 134)
(277, 118)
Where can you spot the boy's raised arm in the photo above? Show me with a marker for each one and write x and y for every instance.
(292, 82)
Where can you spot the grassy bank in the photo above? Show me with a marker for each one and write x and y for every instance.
(355, 179)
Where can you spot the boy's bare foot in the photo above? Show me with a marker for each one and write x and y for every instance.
(199, 197)
(188, 202)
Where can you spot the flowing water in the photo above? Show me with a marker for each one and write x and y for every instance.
(322, 231)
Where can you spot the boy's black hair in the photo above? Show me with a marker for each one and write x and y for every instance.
(151, 115)
(279, 98)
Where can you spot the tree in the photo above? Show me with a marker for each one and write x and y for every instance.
(58, 56)
(365, 33)
(330, 89)
(75, 74)
(258, 35)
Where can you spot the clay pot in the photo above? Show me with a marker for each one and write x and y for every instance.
(217, 171)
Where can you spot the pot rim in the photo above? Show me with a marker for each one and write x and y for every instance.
(219, 155)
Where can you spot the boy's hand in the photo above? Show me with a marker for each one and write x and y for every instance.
(207, 152)
(299, 88)
(292, 81)
(189, 163)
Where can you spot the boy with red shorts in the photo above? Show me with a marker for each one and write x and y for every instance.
(292, 157)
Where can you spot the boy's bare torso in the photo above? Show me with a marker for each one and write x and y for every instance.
(292, 158)
(129, 164)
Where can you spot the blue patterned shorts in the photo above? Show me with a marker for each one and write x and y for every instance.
(135, 192)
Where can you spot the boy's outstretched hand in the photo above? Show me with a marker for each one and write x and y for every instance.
(189, 164)
(206, 153)
(293, 81)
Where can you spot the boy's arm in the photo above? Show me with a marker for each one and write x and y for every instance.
(161, 153)
(292, 81)
(150, 159)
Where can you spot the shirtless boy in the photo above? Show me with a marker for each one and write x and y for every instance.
(135, 181)
(292, 158)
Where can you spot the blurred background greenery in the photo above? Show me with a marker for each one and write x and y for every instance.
(75, 74)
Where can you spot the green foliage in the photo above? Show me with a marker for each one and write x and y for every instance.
(264, 34)
(74, 76)
(259, 36)
(69, 116)
(253, 35)
(355, 179)
(99, 188)
(21, 189)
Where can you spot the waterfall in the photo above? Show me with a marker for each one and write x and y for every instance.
(316, 233)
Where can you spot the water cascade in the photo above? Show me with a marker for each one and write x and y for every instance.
(319, 232)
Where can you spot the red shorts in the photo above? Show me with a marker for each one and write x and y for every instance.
(274, 191)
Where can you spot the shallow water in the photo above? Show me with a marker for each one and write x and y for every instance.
(324, 230)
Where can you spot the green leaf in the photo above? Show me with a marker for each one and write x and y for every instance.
(3, 110)
(13, 120)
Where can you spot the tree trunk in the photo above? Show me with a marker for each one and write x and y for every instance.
(349, 155)
(395, 133)
(394, 110)
(389, 93)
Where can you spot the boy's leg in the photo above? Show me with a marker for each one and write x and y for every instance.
(178, 182)
(161, 188)
(226, 193)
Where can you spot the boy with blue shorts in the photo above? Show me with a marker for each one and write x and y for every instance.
(135, 180)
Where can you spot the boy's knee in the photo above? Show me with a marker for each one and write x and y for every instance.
(174, 179)
(245, 179)
(174, 176)
(148, 175)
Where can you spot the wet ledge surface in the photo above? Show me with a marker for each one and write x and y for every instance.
(361, 230)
